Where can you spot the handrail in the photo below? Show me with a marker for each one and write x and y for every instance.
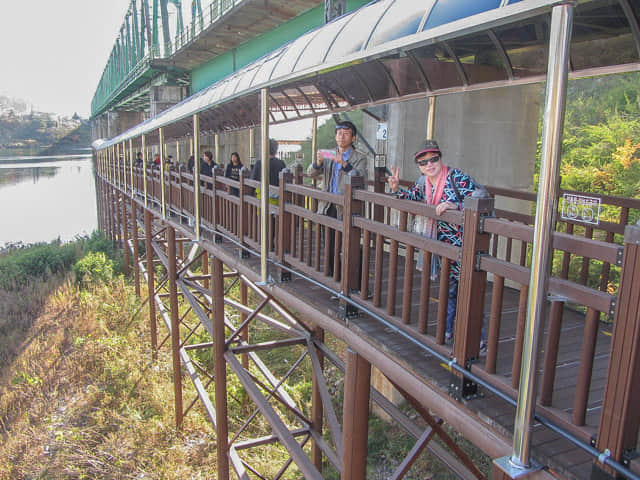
(303, 232)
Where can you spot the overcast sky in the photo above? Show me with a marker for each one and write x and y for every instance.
(52, 52)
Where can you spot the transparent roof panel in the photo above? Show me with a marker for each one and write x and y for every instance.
(405, 74)
(316, 50)
(446, 11)
(291, 54)
(595, 29)
(355, 34)
(479, 58)
(399, 20)
(526, 45)
(438, 66)
(268, 63)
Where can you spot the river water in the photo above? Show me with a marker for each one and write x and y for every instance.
(45, 198)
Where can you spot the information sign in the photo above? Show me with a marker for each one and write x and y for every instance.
(579, 208)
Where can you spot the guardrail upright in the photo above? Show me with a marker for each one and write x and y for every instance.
(620, 419)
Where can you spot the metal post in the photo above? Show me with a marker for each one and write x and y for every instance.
(117, 164)
(144, 169)
(151, 284)
(217, 149)
(546, 207)
(196, 173)
(124, 167)
(131, 160)
(252, 147)
(163, 151)
(431, 117)
(175, 325)
(264, 186)
(220, 368)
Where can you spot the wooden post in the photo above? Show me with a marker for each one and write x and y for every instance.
(151, 284)
(284, 223)
(220, 369)
(175, 325)
(317, 410)
(355, 420)
(468, 325)
(350, 241)
(243, 214)
(620, 419)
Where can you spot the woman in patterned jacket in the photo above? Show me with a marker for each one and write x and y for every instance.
(445, 188)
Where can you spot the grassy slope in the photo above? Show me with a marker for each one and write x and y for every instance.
(82, 399)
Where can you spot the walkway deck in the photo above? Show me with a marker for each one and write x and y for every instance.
(548, 448)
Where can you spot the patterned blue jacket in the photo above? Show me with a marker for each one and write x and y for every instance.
(447, 232)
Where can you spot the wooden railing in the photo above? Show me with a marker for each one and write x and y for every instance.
(375, 265)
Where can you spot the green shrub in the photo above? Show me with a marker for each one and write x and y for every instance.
(19, 267)
(93, 269)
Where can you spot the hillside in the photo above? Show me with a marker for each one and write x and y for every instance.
(23, 130)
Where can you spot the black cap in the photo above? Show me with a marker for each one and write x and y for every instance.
(347, 124)
(427, 146)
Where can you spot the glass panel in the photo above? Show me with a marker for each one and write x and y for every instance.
(479, 58)
(438, 66)
(345, 84)
(401, 19)
(526, 44)
(267, 67)
(291, 54)
(352, 37)
(446, 11)
(376, 79)
(316, 50)
(405, 74)
(246, 75)
(601, 36)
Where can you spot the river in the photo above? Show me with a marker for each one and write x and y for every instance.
(45, 198)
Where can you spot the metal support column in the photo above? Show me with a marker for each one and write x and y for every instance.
(196, 173)
(220, 368)
(431, 117)
(175, 324)
(163, 151)
(264, 187)
(546, 208)
(144, 171)
(151, 283)
(131, 160)
(357, 385)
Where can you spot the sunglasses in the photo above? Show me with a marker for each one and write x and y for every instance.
(427, 161)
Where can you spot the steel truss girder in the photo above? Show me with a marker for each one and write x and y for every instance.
(197, 298)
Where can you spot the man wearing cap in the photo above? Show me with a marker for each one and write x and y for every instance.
(445, 188)
(333, 172)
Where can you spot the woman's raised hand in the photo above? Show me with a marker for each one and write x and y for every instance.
(394, 179)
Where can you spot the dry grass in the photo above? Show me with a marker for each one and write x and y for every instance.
(83, 400)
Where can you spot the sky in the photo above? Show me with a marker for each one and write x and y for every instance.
(53, 52)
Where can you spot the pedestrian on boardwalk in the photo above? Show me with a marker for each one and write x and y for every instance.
(445, 188)
(233, 171)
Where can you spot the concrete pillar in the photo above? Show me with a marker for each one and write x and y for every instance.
(165, 96)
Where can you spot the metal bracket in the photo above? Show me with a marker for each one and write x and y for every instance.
(514, 471)
(348, 311)
(481, 220)
(612, 307)
(619, 256)
(476, 263)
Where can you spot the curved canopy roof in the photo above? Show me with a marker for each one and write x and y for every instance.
(400, 49)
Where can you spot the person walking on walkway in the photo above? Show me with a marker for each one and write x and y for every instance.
(333, 172)
(445, 188)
